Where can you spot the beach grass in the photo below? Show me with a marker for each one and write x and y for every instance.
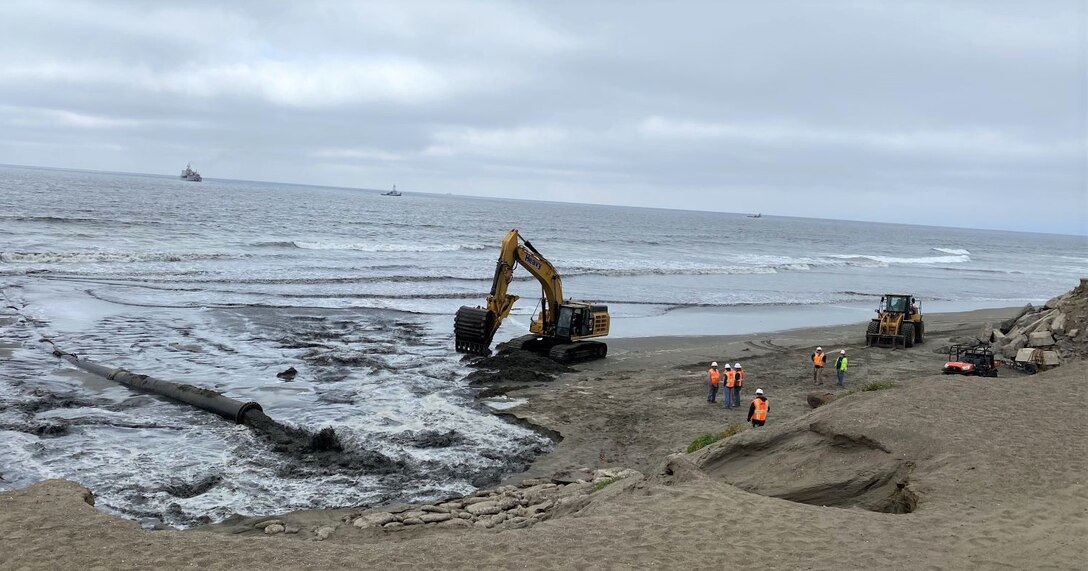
(709, 438)
(604, 483)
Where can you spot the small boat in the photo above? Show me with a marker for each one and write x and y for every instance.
(190, 174)
(393, 192)
(757, 215)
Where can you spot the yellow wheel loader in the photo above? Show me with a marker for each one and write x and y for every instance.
(558, 330)
(898, 322)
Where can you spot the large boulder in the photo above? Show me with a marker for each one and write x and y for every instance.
(1039, 322)
(1056, 301)
(1010, 322)
(1058, 325)
(1041, 339)
(817, 399)
(1013, 345)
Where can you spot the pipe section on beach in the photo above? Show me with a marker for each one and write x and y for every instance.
(204, 399)
(320, 452)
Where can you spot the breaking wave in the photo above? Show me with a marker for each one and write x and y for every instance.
(112, 257)
(888, 260)
(953, 251)
(370, 247)
(81, 221)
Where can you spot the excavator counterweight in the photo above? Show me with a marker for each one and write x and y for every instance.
(560, 328)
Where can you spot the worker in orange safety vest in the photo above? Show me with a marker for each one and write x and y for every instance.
(738, 382)
(715, 377)
(727, 393)
(757, 411)
(818, 360)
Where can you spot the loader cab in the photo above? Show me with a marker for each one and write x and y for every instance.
(898, 303)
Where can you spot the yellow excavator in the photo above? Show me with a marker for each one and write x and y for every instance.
(558, 330)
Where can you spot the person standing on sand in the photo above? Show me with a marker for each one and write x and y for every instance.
(727, 388)
(738, 382)
(818, 360)
(757, 411)
(715, 378)
(840, 368)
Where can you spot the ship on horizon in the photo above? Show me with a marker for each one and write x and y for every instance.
(393, 192)
(190, 174)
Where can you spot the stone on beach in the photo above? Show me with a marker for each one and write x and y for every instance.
(377, 519)
(483, 508)
(817, 399)
(268, 522)
(323, 532)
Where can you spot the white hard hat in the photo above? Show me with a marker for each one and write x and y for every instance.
(738, 366)
(759, 391)
(714, 364)
(843, 351)
(819, 348)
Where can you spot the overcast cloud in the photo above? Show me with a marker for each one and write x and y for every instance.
(948, 113)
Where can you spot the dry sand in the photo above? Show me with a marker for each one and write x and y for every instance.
(992, 471)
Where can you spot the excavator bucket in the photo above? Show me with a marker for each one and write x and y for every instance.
(473, 328)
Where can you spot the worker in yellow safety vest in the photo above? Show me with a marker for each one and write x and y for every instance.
(715, 377)
(757, 412)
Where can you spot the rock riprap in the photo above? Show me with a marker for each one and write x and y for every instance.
(1054, 332)
(531, 501)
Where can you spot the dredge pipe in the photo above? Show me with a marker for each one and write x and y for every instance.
(201, 398)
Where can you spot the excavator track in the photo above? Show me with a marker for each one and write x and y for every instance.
(578, 351)
(473, 328)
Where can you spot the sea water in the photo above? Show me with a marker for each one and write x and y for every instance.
(223, 284)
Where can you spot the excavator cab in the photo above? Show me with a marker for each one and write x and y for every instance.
(579, 321)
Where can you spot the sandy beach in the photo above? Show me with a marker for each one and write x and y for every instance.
(936, 472)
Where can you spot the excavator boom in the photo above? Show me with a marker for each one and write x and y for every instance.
(558, 324)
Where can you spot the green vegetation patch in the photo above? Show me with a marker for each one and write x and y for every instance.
(877, 386)
(603, 483)
(711, 437)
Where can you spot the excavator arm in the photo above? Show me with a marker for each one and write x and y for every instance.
(557, 322)
(516, 251)
(474, 328)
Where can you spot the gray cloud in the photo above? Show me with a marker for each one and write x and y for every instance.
(827, 109)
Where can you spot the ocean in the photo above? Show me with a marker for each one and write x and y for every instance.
(223, 284)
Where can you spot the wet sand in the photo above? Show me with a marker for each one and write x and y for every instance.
(935, 472)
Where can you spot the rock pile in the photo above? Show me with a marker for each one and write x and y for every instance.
(532, 501)
(1050, 334)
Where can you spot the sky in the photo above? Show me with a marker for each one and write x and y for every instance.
(969, 114)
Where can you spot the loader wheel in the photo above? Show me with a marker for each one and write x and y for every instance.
(920, 332)
(908, 335)
(871, 332)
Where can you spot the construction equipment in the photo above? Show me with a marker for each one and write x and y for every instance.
(898, 322)
(975, 359)
(1032, 360)
(557, 330)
